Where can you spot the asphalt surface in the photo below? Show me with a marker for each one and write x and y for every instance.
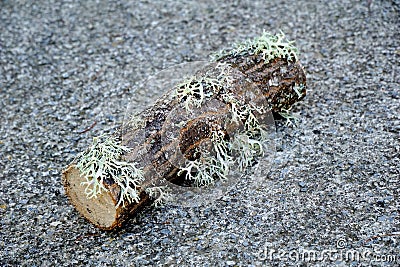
(331, 196)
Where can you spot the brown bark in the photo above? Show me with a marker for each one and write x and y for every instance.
(280, 94)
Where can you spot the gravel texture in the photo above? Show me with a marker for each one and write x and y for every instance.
(333, 188)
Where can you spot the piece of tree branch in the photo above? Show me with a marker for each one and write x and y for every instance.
(264, 70)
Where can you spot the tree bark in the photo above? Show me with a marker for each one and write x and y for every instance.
(274, 81)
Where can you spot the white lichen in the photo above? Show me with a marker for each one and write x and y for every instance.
(239, 149)
(193, 91)
(247, 150)
(211, 164)
(226, 150)
(159, 194)
(102, 162)
(135, 122)
(268, 45)
(290, 119)
(247, 144)
(298, 88)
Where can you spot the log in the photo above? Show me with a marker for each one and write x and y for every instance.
(277, 79)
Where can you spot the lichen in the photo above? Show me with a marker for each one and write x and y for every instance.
(290, 119)
(241, 148)
(159, 193)
(248, 143)
(298, 88)
(211, 164)
(195, 89)
(101, 162)
(242, 151)
(268, 45)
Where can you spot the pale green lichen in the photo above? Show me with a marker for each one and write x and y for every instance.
(192, 92)
(101, 162)
(268, 45)
(298, 88)
(195, 89)
(248, 143)
(135, 122)
(248, 150)
(159, 193)
(211, 164)
(242, 149)
(227, 150)
(290, 119)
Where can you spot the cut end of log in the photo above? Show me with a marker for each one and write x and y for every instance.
(101, 210)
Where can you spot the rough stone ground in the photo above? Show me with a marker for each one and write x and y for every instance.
(334, 185)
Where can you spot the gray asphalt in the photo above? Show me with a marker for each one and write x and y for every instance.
(332, 192)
